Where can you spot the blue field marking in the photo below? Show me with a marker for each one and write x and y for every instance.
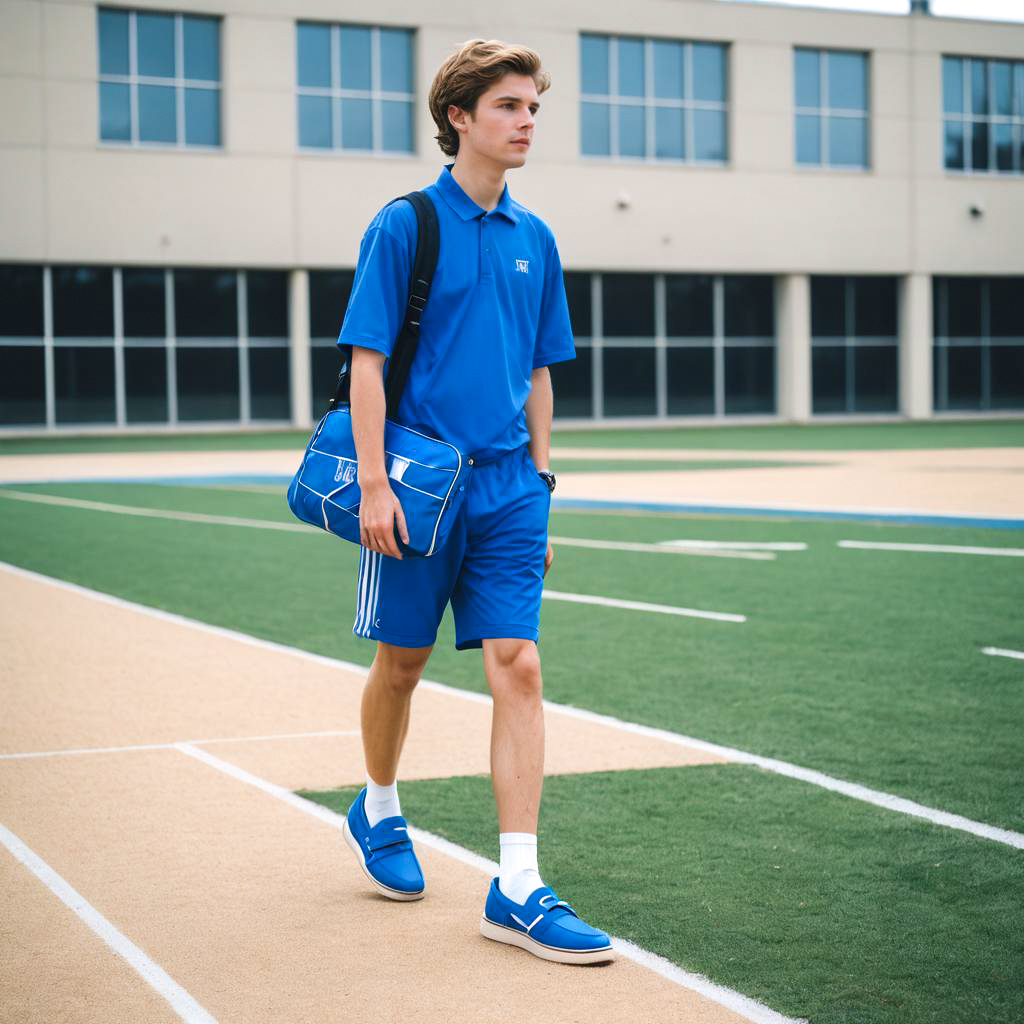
(844, 515)
(598, 504)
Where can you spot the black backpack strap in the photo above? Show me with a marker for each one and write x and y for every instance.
(428, 244)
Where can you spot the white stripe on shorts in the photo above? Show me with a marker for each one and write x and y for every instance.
(361, 601)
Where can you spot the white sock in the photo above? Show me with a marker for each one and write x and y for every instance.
(381, 801)
(517, 870)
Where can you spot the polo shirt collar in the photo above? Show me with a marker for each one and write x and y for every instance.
(452, 193)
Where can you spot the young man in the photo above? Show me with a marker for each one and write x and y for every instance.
(495, 320)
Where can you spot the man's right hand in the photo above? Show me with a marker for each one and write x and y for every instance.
(379, 512)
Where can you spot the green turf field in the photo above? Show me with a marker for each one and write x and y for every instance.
(865, 665)
(974, 433)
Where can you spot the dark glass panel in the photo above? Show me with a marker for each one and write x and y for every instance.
(954, 145)
(750, 380)
(979, 146)
(155, 38)
(691, 381)
(205, 303)
(329, 292)
(627, 303)
(143, 295)
(115, 112)
(807, 77)
(83, 302)
(355, 57)
(267, 299)
(594, 64)
(964, 377)
(875, 312)
(964, 301)
(689, 305)
(708, 71)
(979, 87)
(629, 382)
(572, 384)
(876, 378)
(632, 80)
(84, 384)
(1007, 376)
(207, 383)
(577, 291)
(595, 130)
(22, 385)
(315, 121)
(828, 307)
(828, 379)
(269, 384)
(1007, 297)
(21, 299)
(325, 364)
(749, 306)
(847, 81)
(157, 113)
(202, 117)
(145, 384)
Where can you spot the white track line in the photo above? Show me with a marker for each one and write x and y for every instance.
(156, 513)
(881, 799)
(1002, 652)
(174, 743)
(735, 1001)
(155, 976)
(641, 606)
(738, 546)
(664, 548)
(943, 549)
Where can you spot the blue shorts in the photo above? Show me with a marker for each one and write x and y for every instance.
(491, 568)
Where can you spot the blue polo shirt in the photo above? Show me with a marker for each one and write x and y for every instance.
(497, 311)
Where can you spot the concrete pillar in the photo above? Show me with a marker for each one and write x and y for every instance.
(793, 336)
(298, 330)
(916, 339)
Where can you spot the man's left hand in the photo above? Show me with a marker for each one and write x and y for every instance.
(548, 558)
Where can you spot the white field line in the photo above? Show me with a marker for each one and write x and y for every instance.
(641, 606)
(156, 513)
(155, 976)
(942, 549)
(270, 524)
(664, 548)
(853, 790)
(735, 1001)
(1002, 652)
(737, 546)
(174, 743)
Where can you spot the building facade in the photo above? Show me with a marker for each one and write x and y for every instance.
(762, 211)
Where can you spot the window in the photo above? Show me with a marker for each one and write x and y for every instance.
(159, 78)
(854, 344)
(831, 103)
(979, 343)
(267, 344)
(355, 88)
(668, 345)
(983, 107)
(653, 99)
(329, 291)
(22, 353)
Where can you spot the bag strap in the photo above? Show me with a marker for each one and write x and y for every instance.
(428, 244)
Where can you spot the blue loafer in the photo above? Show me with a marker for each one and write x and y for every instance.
(384, 852)
(545, 926)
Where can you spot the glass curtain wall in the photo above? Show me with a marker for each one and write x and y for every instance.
(88, 345)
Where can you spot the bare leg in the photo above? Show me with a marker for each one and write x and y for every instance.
(385, 707)
(517, 732)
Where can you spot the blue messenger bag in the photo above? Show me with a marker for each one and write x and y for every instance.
(428, 475)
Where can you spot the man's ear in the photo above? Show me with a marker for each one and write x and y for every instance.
(457, 117)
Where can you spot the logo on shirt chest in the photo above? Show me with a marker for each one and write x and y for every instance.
(523, 266)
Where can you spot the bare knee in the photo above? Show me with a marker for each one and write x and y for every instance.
(513, 669)
(399, 669)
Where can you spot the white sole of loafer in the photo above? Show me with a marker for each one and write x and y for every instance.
(384, 890)
(500, 933)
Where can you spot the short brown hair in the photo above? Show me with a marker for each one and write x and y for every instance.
(470, 72)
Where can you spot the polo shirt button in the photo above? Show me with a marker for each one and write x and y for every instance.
(471, 462)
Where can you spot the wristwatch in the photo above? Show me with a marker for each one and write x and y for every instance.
(548, 477)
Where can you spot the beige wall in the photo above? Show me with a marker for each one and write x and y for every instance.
(259, 202)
